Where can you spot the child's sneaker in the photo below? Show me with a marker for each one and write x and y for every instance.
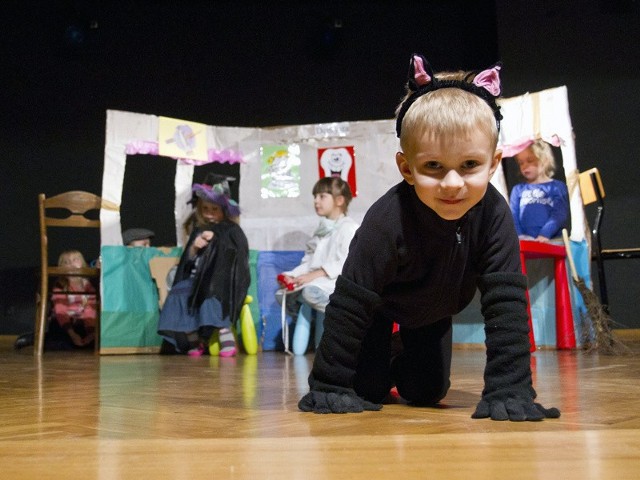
(196, 352)
(227, 343)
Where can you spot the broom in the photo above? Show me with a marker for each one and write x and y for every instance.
(604, 341)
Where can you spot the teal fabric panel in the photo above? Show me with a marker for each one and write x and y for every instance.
(253, 291)
(542, 295)
(582, 322)
(468, 325)
(129, 316)
(129, 329)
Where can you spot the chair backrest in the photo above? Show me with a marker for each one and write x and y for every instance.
(71, 209)
(591, 187)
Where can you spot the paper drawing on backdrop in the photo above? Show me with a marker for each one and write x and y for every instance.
(339, 162)
(179, 138)
(280, 171)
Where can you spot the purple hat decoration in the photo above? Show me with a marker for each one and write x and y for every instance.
(215, 189)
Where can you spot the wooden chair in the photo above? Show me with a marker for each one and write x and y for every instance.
(592, 191)
(75, 205)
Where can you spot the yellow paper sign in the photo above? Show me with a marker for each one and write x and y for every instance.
(182, 139)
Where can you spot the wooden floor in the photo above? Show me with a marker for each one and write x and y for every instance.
(77, 415)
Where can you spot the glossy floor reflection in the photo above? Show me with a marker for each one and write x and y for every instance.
(177, 417)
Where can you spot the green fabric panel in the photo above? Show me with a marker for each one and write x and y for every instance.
(129, 329)
(253, 290)
(129, 316)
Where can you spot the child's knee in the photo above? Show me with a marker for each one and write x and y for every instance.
(424, 394)
(315, 297)
(373, 391)
(420, 386)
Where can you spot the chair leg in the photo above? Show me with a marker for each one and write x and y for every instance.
(597, 248)
(96, 338)
(532, 339)
(602, 283)
(565, 332)
(39, 331)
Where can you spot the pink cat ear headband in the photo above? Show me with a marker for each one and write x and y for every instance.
(485, 84)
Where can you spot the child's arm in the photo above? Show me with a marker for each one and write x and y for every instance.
(371, 261)
(558, 213)
(508, 392)
(201, 241)
(333, 368)
(64, 310)
(309, 277)
(304, 265)
(514, 204)
(61, 310)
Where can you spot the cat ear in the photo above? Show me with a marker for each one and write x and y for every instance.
(418, 75)
(489, 80)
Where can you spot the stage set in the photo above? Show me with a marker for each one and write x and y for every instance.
(125, 412)
(278, 167)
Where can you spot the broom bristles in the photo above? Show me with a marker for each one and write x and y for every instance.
(604, 340)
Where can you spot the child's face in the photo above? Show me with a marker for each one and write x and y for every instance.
(327, 205)
(450, 175)
(211, 212)
(145, 242)
(74, 261)
(529, 165)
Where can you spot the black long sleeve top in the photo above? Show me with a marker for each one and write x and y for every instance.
(417, 268)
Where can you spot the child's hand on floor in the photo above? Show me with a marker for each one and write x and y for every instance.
(334, 402)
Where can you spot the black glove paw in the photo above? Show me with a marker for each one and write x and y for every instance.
(552, 412)
(314, 402)
(332, 402)
(516, 410)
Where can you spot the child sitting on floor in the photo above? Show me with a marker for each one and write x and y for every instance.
(74, 302)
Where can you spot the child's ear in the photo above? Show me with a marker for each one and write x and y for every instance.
(404, 167)
(497, 157)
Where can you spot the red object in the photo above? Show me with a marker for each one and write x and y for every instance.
(289, 285)
(565, 334)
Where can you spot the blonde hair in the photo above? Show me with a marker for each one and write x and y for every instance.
(68, 254)
(544, 154)
(446, 112)
(65, 256)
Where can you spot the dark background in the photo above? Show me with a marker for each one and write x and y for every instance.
(259, 64)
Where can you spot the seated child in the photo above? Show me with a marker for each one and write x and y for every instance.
(540, 205)
(212, 278)
(137, 237)
(74, 302)
(315, 278)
